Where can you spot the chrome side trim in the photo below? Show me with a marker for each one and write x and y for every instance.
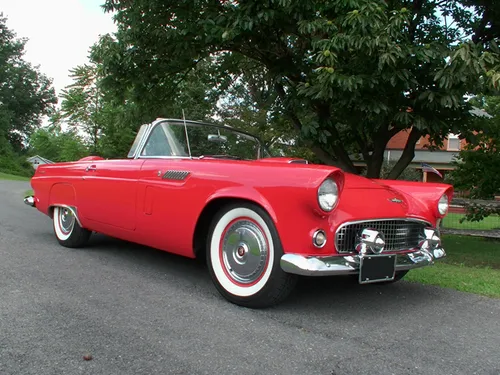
(344, 265)
(73, 210)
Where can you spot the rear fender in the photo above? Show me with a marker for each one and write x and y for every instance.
(63, 195)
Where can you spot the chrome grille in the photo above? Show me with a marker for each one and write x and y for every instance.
(400, 234)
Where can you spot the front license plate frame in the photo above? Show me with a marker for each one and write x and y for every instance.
(377, 268)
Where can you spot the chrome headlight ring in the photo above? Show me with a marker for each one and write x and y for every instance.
(328, 195)
(443, 204)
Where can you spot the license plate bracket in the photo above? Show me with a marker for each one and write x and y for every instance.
(377, 268)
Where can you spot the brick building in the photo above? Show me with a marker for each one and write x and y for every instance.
(438, 158)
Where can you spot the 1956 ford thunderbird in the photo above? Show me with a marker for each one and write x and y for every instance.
(197, 189)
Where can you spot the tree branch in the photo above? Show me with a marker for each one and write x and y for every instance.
(340, 152)
(417, 8)
(318, 151)
(407, 155)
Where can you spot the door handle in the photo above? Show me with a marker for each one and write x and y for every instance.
(90, 168)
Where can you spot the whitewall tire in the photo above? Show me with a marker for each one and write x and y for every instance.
(67, 230)
(243, 256)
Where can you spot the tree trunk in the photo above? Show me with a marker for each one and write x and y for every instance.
(407, 155)
(374, 164)
(376, 159)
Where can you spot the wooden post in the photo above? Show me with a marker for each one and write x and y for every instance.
(425, 176)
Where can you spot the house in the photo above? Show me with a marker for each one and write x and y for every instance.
(36, 160)
(439, 158)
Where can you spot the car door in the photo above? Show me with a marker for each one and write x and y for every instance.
(166, 199)
(108, 192)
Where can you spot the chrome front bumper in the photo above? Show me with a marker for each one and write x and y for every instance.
(349, 264)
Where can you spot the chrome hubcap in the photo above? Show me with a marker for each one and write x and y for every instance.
(244, 251)
(67, 220)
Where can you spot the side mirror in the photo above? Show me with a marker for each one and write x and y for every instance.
(217, 138)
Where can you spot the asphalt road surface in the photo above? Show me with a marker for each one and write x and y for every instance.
(141, 311)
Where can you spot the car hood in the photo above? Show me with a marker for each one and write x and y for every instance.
(352, 181)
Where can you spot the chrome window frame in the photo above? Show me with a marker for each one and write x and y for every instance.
(157, 122)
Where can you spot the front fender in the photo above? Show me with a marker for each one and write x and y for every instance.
(244, 192)
(427, 193)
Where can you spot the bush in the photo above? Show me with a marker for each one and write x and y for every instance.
(16, 165)
(13, 163)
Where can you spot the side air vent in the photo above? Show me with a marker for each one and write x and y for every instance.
(175, 175)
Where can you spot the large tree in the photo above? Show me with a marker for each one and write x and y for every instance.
(25, 93)
(348, 74)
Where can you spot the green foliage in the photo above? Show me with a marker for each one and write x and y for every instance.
(82, 103)
(110, 118)
(478, 165)
(12, 162)
(25, 96)
(54, 144)
(16, 165)
(472, 264)
(344, 75)
(25, 93)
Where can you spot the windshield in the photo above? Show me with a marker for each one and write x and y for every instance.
(169, 139)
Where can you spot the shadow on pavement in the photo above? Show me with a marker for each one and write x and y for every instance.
(342, 293)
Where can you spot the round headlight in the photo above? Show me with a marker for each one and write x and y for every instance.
(328, 194)
(443, 204)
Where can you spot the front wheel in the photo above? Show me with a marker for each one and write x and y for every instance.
(67, 230)
(243, 256)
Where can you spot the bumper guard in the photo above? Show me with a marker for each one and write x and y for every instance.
(429, 250)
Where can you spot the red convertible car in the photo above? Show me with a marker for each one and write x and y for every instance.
(197, 189)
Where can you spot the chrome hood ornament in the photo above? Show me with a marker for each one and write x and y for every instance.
(395, 200)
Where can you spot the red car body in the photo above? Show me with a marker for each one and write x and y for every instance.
(169, 202)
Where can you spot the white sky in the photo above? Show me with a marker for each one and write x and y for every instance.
(60, 32)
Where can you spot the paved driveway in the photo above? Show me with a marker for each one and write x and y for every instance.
(142, 311)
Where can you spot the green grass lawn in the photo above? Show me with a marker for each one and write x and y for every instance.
(6, 176)
(452, 221)
(472, 265)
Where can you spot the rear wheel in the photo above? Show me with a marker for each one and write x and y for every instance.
(67, 230)
(243, 256)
